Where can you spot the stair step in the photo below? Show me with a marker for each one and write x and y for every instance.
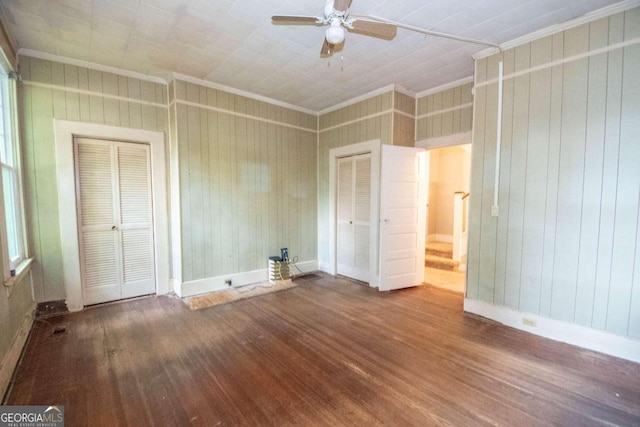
(443, 253)
(441, 249)
(441, 263)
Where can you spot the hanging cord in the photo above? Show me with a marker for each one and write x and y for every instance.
(293, 261)
(245, 289)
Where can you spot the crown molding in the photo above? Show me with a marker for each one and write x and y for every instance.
(385, 89)
(229, 89)
(92, 65)
(444, 87)
(403, 90)
(623, 6)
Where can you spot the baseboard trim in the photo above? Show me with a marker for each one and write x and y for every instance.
(445, 238)
(326, 268)
(210, 284)
(175, 286)
(570, 333)
(11, 359)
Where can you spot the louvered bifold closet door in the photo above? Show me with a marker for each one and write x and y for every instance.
(134, 195)
(353, 218)
(99, 246)
(113, 181)
(344, 220)
(362, 213)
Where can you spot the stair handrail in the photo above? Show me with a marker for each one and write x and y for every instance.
(460, 221)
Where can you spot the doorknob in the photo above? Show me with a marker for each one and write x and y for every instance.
(114, 228)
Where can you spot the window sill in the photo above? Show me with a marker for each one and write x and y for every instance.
(21, 271)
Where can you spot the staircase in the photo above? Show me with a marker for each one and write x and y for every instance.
(440, 255)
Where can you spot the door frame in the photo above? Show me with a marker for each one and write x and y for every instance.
(372, 147)
(65, 131)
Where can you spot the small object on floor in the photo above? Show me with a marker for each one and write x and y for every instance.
(59, 330)
(229, 295)
(48, 309)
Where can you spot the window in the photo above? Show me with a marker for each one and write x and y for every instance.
(10, 173)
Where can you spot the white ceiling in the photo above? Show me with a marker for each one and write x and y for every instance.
(233, 43)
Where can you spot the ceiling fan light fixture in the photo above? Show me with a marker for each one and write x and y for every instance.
(335, 34)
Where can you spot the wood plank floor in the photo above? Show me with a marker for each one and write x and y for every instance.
(328, 352)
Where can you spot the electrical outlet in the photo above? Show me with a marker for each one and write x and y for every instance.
(528, 322)
(227, 282)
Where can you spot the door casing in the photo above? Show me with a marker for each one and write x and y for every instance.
(67, 207)
(372, 147)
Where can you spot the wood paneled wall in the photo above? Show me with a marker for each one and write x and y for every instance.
(445, 113)
(52, 90)
(566, 242)
(248, 181)
(13, 310)
(404, 120)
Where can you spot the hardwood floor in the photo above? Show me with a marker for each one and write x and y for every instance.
(328, 352)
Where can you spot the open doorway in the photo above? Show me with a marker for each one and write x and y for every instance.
(446, 249)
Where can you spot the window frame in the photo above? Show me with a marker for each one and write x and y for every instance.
(9, 111)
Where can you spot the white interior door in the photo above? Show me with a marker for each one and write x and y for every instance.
(427, 163)
(354, 216)
(113, 183)
(404, 177)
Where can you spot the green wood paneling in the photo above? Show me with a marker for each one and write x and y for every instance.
(627, 215)
(13, 310)
(356, 111)
(593, 163)
(553, 165)
(247, 185)
(476, 198)
(611, 153)
(39, 106)
(502, 226)
(567, 235)
(535, 178)
(457, 120)
(488, 224)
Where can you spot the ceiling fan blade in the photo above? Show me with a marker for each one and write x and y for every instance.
(327, 49)
(301, 20)
(375, 29)
(341, 5)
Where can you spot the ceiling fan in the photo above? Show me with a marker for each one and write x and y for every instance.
(336, 16)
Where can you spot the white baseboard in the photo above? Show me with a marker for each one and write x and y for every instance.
(176, 287)
(11, 359)
(446, 238)
(210, 284)
(326, 268)
(570, 333)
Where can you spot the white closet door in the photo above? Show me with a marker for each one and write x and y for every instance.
(345, 235)
(115, 220)
(134, 188)
(353, 218)
(361, 216)
(96, 218)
